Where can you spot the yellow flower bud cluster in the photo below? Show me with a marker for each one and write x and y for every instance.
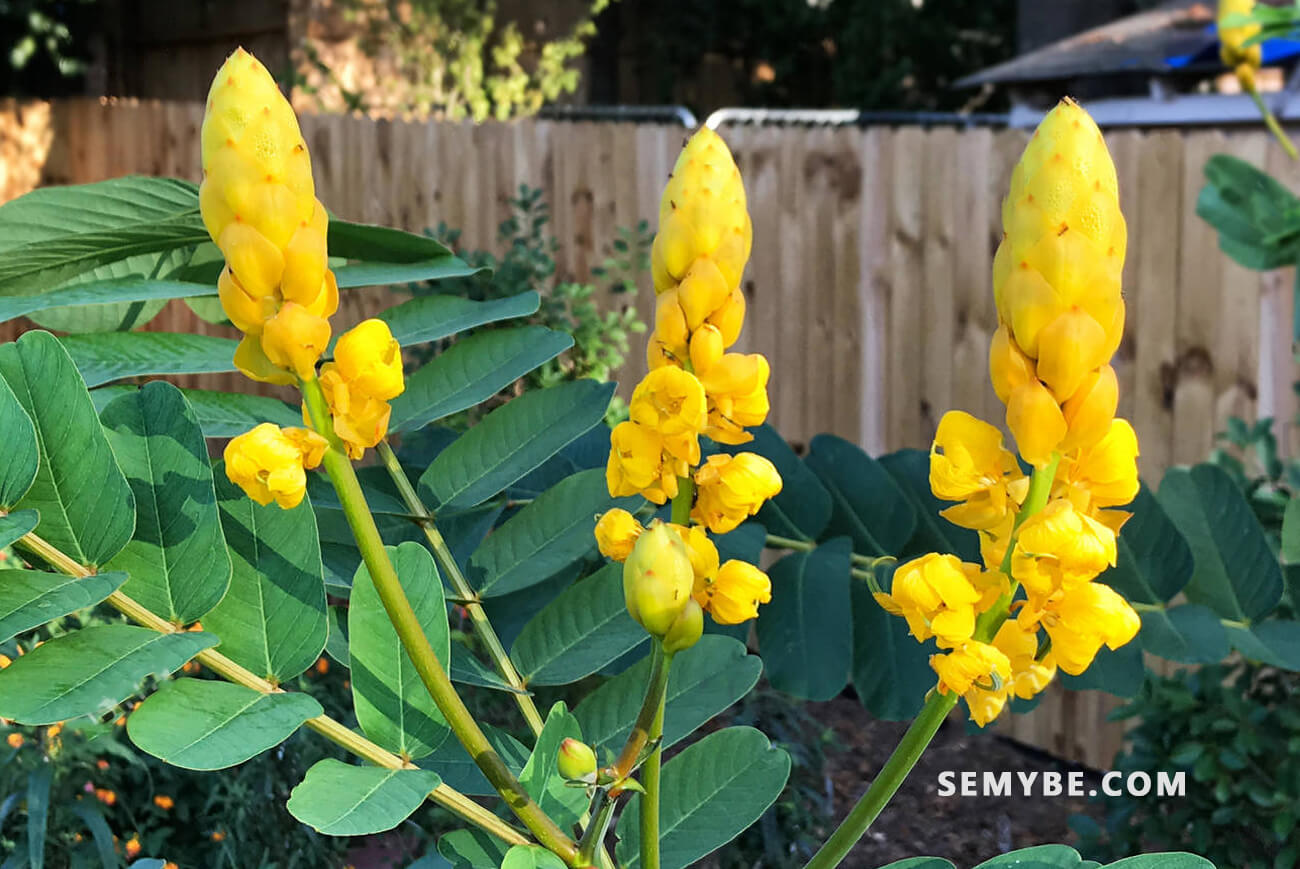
(269, 463)
(696, 388)
(365, 375)
(1242, 60)
(259, 204)
(1004, 628)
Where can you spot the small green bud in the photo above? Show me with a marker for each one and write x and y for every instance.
(686, 631)
(657, 579)
(576, 762)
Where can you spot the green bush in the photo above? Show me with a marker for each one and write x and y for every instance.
(1235, 731)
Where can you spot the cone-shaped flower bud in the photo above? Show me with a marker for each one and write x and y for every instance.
(657, 579)
(576, 762)
(686, 630)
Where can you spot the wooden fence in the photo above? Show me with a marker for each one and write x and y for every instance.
(869, 284)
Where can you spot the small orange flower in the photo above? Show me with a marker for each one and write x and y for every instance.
(164, 802)
(105, 796)
(218, 836)
(170, 865)
(132, 847)
(322, 666)
(190, 668)
(15, 740)
(101, 764)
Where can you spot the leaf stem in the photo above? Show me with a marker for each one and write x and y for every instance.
(407, 625)
(332, 730)
(467, 596)
(887, 783)
(1270, 121)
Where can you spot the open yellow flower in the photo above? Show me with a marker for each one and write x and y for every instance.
(268, 463)
(734, 594)
(670, 402)
(1105, 474)
(968, 463)
(1060, 547)
(636, 465)
(1029, 674)
(295, 338)
(360, 420)
(937, 595)
(369, 359)
(737, 388)
(730, 489)
(1080, 620)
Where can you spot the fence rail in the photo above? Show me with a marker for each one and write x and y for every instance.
(869, 283)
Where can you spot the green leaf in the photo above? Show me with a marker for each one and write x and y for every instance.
(1255, 215)
(339, 799)
(803, 506)
(1291, 532)
(549, 534)
(177, 558)
(709, 794)
(513, 440)
(1189, 634)
(866, 503)
(119, 316)
(432, 318)
(392, 704)
(86, 506)
(542, 780)
(112, 291)
(703, 681)
(56, 233)
(920, 863)
(891, 670)
(1040, 857)
(389, 256)
(469, 670)
(911, 470)
(453, 764)
(15, 525)
(219, 414)
(101, 833)
(1236, 573)
(1275, 642)
(1119, 672)
(1154, 560)
(38, 813)
(105, 356)
(272, 620)
(207, 724)
(473, 370)
(472, 849)
(29, 598)
(22, 454)
(579, 632)
(531, 857)
(806, 633)
(90, 670)
(1163, 861)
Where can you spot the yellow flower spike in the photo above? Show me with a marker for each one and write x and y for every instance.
(1009, 367)
(1105, 474)
(257, 263)
(657, 579)
(1036, 422)
(252, 361)
(729, 319)
(671, 402)
(686, 630)
(937, 595)
(730, 489)
(616, 533)
(670, 325)
(735, 593)
(1061, 547)
(327, 300)
(305, 260)
(968, 463)
(635, 465)
(702, 292)
(1029, 676)
(1088, 413)
(268, 465)
(706, 348)
(370, 360)
(249, 313)
(1232, 49)
(295, 338)
(1070, 347)
(1085, 618)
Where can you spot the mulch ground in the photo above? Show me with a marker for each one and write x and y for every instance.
(920, 822)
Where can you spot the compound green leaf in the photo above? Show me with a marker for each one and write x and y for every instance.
(1188, 634)
(866, 503)
(806, 633)
(704, 680)
(513, 440)
(272, 620)
(22, 454)
(1236, 573)
(339, 799)
(473, 370)
(385, 255)
(468, 669)
(891, 670)
(208, 724)
(432, 318)
(85, 503)
(177, 559)
(392, 704)
(1154, 560)
(911, 470)
(89, 671)
(219, 414)
(579, 632)
(105, 356)
(803, 506)
(1275, 642)
(102, 293)
(552, 532)
(541, 778)
(1254, 214)
(30, 598)
(15, 525)
(1116, 671)
(709, 794)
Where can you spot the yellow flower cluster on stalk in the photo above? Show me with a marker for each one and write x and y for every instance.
(1003, 628)
(259, 204)
(1243, 60)
(695, 388)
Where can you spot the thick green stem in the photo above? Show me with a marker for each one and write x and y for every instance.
(886, 784)
(650, 776)
(640, 736)
(465, 593)
(602, 810)
(407, 625)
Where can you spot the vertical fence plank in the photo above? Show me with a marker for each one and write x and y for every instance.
(906, 329)
(874, 244)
